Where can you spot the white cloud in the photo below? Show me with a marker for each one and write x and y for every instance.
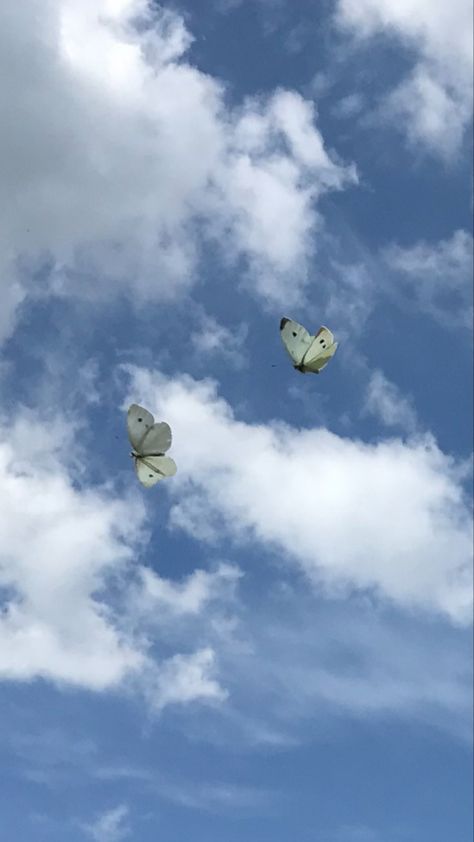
(111, 826)
(61, 546)
(118, 157)
(350, 295)
(58, 758)
(440, 32)
(291, 658)
(218, 797)
(214, 340)
(278, 169)
(311, 661)
(185, 678)
(384, 400)
(58, 547)
(12, 296)
(357, 833)
(435, 100)
(51, 756)
(158, 597)
(437, 277)
(197, 794)
(348, 106)
(390, 517)
(429, 112)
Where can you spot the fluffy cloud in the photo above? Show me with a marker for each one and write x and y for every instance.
(58, 546)
(389, 517)
(186, 678)
(435, 101)
(176, 642)
(159, 598)
(430, 112)
(119, 157)
(437, 277)
(62, 546)
(271, 197)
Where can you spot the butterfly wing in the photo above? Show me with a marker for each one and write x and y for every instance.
(322, 348)
(157, 439)
(139, 422)
(296, 339)
(152, 469)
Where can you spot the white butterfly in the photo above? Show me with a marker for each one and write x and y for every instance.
(309, 353)
(150, 442)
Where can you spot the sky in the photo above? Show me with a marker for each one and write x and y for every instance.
(276, 643)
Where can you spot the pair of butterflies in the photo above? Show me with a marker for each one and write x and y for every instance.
(151, 440)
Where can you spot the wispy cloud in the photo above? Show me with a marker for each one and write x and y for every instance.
(385, 401)
(436, 277)
(213, 340)
(111, 826)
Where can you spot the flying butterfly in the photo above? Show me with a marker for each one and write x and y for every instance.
(309, 353)
(150, 442)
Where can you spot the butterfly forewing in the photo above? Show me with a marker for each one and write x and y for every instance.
(295, 338)
(156, 440)
(139, 422)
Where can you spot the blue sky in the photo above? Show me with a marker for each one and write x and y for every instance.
(276, 644)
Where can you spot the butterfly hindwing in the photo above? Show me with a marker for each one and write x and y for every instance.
(152, 469)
